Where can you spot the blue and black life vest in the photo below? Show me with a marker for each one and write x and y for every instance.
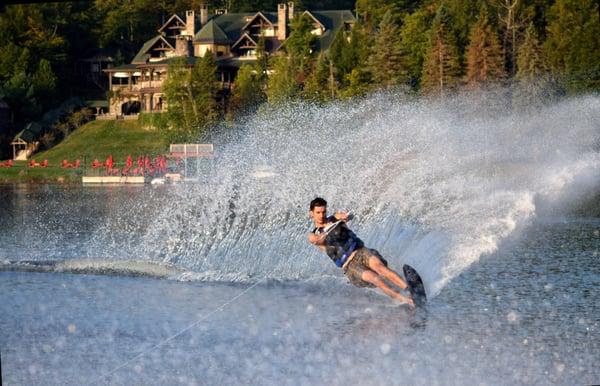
(340, 241)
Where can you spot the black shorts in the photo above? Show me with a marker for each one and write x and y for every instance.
(360, 264)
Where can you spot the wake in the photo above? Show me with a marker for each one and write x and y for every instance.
(436, 184)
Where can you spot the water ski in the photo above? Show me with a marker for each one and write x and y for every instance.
(415, 285)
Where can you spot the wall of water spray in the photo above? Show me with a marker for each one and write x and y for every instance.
(434, 183)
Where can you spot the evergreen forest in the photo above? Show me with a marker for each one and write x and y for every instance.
(430, 47)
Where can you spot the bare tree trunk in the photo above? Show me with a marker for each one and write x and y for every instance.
(506, 15)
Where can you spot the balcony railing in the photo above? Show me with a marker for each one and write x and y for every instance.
(153, 84)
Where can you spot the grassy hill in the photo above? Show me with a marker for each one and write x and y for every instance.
(95, 140)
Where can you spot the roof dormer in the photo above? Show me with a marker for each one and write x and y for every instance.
(318, 27)
(173, 27)
(258, 24)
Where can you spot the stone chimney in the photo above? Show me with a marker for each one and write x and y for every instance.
(290, 10)
(282, 19)
(190, 23)
(183, 45)
(203, 14)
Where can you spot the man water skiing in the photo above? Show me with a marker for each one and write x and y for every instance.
(363, 266)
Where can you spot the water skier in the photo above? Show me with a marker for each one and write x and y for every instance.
(363, 266)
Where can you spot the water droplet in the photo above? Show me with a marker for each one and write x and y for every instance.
(385, 348)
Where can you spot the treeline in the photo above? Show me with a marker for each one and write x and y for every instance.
(539, 48)
(437, 46)
(42, 44)
(426, 46)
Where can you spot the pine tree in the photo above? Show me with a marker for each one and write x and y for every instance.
(281, 85)
(485, 62)
(531, 65)
(340, 59)
(321, 84)
(301, 45)
(204, 92)
(349, 52)
(359, 83)
(386, 61)
(262, 60)
(414, 42)
(247, 92)
(176, 91)
(534, 82)
(44, 83)
(573, 46)
(441, 69)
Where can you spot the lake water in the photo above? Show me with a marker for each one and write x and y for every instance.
(213, 283)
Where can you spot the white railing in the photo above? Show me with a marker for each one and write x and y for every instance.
(185, 150)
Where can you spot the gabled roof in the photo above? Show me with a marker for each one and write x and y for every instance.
(332, 21)
(174, 17)
(212, 33)
(245, 35)
(229, 29)
(143, 54)
(232, 23)
(31, 131)
(309, 13)
(258, 14)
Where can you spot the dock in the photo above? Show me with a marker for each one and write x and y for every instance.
(112, 179)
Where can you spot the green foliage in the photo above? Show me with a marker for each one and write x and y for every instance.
(386, 60)
(262, 60)
(441, 69)
(44, 83)
(396, 41)
(359, 83)
(190, 95)
(573, 46)
(371, 12)
(158, 121)
(348, 51)
(531, 64)
(414, 42)
(485, 63)
(321, 84)
(462, 14)
(281, 86)
(534, 81)
(247, 93)
(127, 24)
(301, 45)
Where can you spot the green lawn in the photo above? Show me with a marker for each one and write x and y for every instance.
(97, 139)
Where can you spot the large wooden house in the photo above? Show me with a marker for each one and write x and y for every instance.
(231, 37)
